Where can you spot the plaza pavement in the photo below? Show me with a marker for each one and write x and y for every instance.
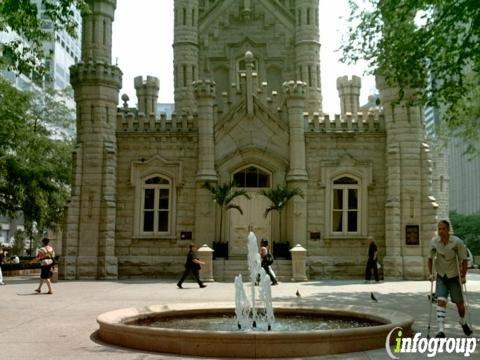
(63, 325)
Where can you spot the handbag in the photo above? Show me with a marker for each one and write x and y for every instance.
(46, 262)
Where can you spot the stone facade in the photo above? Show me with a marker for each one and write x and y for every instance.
(248, 106)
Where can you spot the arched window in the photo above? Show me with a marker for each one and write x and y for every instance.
(345, 206)
(156, 205)
(252, 177)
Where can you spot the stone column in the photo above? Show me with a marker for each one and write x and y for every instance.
(299, 255)
(204, 91)
(297, 176)
(205, 254)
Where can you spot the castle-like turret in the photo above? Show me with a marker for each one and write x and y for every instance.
(307, 52)
(147, 94)
(410, 210)
(349, 93)
(185, 54)
(89, 236)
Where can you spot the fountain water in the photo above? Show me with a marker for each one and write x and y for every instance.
(247, 313)
(354, 328)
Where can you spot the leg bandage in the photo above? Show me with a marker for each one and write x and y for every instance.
(441, 317)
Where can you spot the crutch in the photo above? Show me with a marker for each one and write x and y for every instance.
(430, 299)
(463, 289)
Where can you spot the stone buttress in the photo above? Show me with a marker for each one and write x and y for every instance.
(410, 208)
(89, 236)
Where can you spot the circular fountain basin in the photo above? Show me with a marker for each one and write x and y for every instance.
(120, 327)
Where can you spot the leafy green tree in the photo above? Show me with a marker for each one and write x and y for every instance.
(279, 196)
(34, 167)
(467, 227)
(223, 195)
(19, 243)
(428, 45)
(23, 18)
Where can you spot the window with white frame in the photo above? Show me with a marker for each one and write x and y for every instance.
(345, 206)
(156, 205)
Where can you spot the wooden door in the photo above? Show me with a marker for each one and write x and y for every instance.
(253, 219)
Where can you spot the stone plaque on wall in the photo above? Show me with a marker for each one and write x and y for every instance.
(186, 235)
(412, 235)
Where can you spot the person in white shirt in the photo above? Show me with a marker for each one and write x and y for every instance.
(449, 256)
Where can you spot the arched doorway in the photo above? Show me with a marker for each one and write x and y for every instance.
(253, 179)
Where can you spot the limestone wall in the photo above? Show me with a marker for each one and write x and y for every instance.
(337, 256)
(155, 256)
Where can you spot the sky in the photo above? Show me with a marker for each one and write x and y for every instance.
(143, 38)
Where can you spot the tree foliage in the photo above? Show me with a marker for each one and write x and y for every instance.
(223, 195)
(279, 196)
(34, 167)
(25, 53)
(433, 46)
(467, 227)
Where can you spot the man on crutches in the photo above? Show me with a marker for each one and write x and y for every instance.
(448, 251)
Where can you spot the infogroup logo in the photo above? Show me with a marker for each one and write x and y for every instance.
(430, 347)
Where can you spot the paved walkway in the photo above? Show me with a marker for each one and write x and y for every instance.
(62, 325)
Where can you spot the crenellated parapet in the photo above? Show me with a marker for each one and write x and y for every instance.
(147, 93)
(141, 123)
(96, 72)
(295, 89)
(349, 93)
(204, 89)
(360, 122)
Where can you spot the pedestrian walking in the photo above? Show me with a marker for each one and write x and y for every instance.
(46, 256)
(372, 261)
(449, 257)
(1, 261)
(192, 265)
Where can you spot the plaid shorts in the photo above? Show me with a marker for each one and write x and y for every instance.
(447, 285)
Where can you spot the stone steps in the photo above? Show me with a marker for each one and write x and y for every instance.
(226, 270)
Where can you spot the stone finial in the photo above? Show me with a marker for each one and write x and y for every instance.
(125, 99)
(249, 57)
(204, 88)
(295, 89)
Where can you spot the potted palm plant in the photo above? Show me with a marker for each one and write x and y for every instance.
(224, 195)
(279, 196)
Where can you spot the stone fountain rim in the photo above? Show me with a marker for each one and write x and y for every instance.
(389, 319)
(249, 344)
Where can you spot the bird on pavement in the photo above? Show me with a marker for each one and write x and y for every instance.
(298, 293)
(373, 297)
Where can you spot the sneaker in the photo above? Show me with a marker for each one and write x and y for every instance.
(2, 283)
(180, 286)
(440, 334)
(203, 286)
(467, 330)
(274, 283)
